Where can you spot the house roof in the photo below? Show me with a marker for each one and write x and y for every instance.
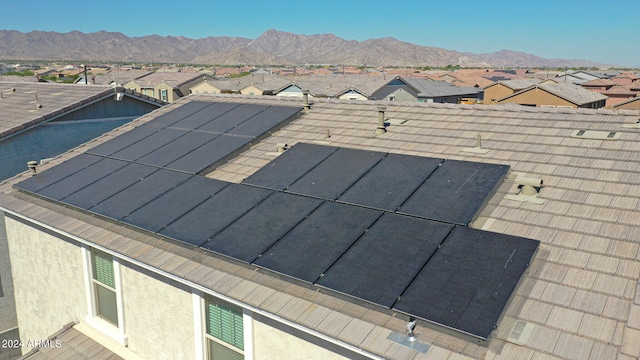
(518, 84)
(569, 92)
(24, 105)
(579, 297)
(599, 82)
(334, 85)
(173, 79)
(432, 89)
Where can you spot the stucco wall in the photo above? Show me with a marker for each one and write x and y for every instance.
(537, 97)
(48, 280)
(158, 315)
(271, 343)
(496, 92)
(8, 318)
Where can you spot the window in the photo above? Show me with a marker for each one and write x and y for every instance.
(104, 286)
(163, 95)
(224, 330)
(392, 98)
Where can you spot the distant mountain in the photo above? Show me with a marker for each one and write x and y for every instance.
(273, 47)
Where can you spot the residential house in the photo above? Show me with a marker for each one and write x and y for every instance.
(598, 85)
(167, 86)
(625, 78)
(617, 94)
(505, 88)
(333, 86)
(40, 121)
(161, 297)
(630, 104)
(556, 95)
(423, 90)
(117, 77)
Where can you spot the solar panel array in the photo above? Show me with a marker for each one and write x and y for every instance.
(366, 224)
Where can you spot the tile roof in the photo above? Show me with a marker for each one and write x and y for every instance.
(570, 92)
(26, 104)
(174, 79)
(580, 295)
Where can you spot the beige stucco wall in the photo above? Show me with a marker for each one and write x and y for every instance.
(8, 318)
(538, 97)
(271, 343)
(48, 278)
(204, 88)
(349, 96)
(496, 92)
(158, 315)
(251, 90)
(401, 95)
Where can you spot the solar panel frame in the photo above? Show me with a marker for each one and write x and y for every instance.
(310, 248)
(290, 166)
(139, 194)
(473, 269)
(109, 185)
(337, 173)
(197, 226)
(168, 207)
(209, 154)
(265, 121)
(390, 182)
(257, 230)
(50, 176)
(392, 251)
(455, 192)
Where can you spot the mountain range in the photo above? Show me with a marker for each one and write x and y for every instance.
(273, 47)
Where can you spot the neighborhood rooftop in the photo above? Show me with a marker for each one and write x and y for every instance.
(578, 299)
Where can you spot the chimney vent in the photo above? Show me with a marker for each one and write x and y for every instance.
(381, 129)
(305, 99)
(32, 165)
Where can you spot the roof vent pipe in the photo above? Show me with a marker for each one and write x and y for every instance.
(32, 165)
(305, 100)
(381, 129)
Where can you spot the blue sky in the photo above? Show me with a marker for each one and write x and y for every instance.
(603, 31)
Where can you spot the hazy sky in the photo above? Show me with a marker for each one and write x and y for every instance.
(604, 31)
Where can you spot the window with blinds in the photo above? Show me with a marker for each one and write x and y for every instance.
(104, 286)
(224, 329)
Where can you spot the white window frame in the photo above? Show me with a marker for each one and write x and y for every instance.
(117, 333)
(200, 328)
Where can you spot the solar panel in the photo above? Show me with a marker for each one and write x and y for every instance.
(391, 181)
(58, 172)
(308, 250)
(139, 194)
(165, 209)
(207, 219)
(177, 148)
(229, 120)
(468, 281)
(180, 113)
(290, 166)
(392, 252)
(455, 191)
(262, 226)
(209, 153)
(109, 185)
(336, 173)
(68, 185)
(123, 140)
(265, 121)
(204, 116)
(149, 144)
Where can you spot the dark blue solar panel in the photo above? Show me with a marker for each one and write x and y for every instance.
(392, 252)
(149, 144)
(290, 166)
(336, 174)
(229, 120)
(308, 250)
(455, 192)
(67, 186)
(198, 225)
(391, 181)
(177, 114)
(200, 118)
(58, 172)
(139, 194)
(468, 281)
(257, 230)
(122, 141)
(177, 148)
(265, 121)
(209, 154)
(165, 209)
(109, 185)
